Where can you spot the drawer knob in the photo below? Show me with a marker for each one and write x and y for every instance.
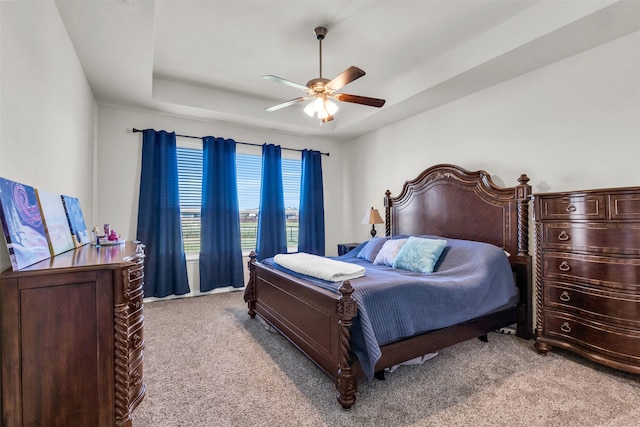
(564, 266)
(565, 327)
(564, 296)
(563, 236)
(137, 379)
(571, 208)
(137, 341)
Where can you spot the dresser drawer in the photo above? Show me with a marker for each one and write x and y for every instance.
(616, 343)
(575, 207)
(605, 238)
(136, 274)
(619, 273)
(599, 304)
(136, 335)
(625, 206)
(136, 380)
(135, 304)
(132, 281)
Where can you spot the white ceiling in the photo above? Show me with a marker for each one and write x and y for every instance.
(205, 59)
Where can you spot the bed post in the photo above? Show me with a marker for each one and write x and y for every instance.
(250, 291)
(387, 213)
(523, 191)
(346, 379)
(523, 266)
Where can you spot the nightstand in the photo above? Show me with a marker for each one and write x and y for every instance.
(343, 248)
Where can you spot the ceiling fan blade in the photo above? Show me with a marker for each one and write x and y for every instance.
(285, 82)
(285, 104)
(356, 99)
(346, 77)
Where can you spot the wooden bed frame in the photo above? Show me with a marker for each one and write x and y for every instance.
(444, 200)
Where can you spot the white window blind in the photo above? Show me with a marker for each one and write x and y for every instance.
(249, 169)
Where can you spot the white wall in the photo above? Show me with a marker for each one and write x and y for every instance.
(47, 110)
(571, 125)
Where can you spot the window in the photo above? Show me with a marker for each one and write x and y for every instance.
(190, 188)
(249, 169)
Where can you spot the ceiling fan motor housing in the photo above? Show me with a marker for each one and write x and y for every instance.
(318, 85)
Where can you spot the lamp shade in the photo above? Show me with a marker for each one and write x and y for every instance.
(372, 217)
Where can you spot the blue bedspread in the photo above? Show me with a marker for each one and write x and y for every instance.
(469, 280)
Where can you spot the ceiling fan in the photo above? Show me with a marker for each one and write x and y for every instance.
(321, 90)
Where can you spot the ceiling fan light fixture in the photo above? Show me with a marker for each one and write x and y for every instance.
(309, 110)
(319, 89)
(331, 107)
(318, 105)
(323, 114)
(324, 108)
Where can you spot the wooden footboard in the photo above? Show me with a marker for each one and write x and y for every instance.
(315, 320)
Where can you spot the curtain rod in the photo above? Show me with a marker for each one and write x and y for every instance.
(237, 142)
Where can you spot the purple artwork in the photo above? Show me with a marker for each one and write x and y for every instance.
(22, 224)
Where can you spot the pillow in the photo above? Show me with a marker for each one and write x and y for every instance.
(371, 249)
(389, 252)
(419, 254)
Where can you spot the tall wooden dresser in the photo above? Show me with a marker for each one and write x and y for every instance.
(72, 338)
(588, 274)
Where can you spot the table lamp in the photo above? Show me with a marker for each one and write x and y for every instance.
(372, 217)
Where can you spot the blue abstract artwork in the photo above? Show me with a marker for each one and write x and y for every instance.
(76, 220)
(22, 224)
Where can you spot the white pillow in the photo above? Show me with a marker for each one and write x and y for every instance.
(389, 252)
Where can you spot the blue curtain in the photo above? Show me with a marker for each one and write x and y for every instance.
(159, 217)
(220, 248)
(272, 237)
(311, 225)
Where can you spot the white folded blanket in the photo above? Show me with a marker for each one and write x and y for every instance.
(319, 267)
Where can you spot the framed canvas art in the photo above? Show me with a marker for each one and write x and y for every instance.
(56, 225)
(22, 224)
(76, 220)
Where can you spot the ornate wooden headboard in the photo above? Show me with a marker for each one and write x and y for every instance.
(448, 201)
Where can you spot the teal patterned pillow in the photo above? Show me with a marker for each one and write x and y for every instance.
(420, 254)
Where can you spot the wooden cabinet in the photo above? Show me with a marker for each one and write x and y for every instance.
(72, 338)
(588, 274)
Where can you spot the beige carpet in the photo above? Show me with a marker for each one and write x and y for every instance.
(208, 364)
